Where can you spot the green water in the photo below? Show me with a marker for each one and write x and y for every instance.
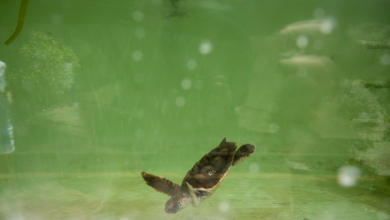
(99, 91)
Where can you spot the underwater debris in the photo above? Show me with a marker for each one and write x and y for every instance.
(374, 84)
(373, 44)
(355, 161)
(22, 15)
(176, 14)
(310, 37)
(173, 3)
(375, 157)
(367, 113)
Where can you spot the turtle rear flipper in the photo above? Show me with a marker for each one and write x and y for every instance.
(161, 184)
(242, 153)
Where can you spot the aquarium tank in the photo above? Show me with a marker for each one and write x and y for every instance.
(194, 109)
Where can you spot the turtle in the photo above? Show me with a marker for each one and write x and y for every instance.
(205, 177)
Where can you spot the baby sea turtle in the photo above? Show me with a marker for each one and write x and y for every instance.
(203, 179)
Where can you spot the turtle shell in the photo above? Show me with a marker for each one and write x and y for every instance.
(212, 168)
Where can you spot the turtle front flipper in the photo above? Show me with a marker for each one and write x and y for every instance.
(242, 153)
(195, 200)
(161, 184)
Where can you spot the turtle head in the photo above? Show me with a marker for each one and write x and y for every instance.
(177, 203)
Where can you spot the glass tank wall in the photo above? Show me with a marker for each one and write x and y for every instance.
(94, 92)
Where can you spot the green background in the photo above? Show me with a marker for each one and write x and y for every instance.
(81, 144)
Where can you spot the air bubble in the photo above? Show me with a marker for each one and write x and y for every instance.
(301, 71)
(348, 176)
(254, 168)
(56, 19)
(137, 55)
(205, 47)
(192, 64)
(186, 84)
(302, 41)
(140, 33)
(138, 16)
(180, 101)
(385, 59)
(319, 13)
(326, 27)
(223, 207)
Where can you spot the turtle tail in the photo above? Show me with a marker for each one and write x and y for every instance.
(161, 184)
